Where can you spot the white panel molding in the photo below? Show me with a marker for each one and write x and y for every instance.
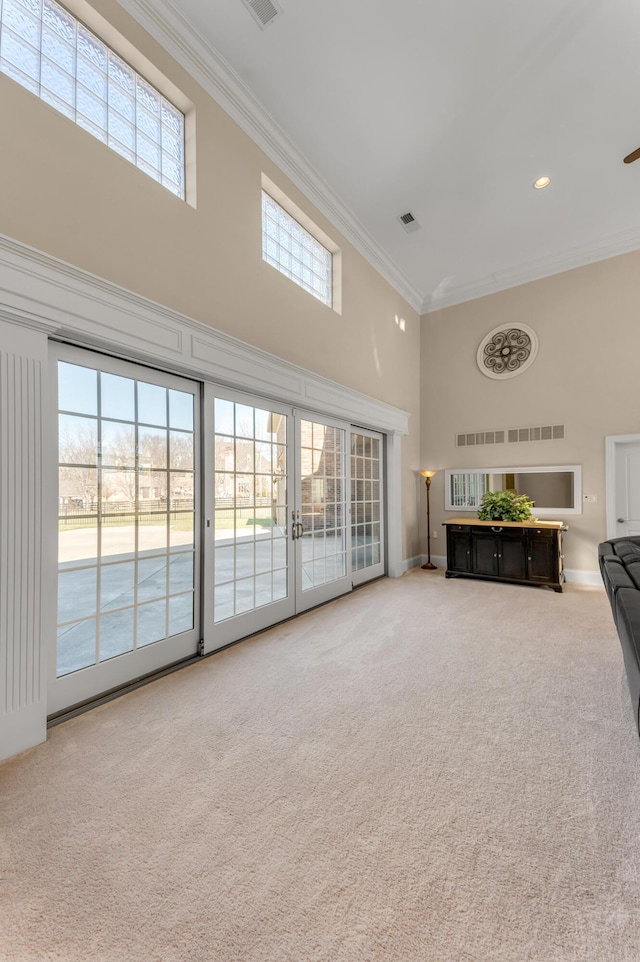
(172, 30)
(234, 367)
(23, 628)
(40, 290)
(394, 504)
(535, 270)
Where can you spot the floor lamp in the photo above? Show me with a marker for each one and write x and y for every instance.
(427, 475)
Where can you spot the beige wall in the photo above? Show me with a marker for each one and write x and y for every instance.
(67, 194)
(585, 377)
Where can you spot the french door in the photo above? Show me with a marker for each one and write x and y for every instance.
(321, 515)
(291, 516)
(292, 512)
(367, 505)
(128, 545)
(248, 570)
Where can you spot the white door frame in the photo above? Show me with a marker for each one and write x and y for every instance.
(612, 442)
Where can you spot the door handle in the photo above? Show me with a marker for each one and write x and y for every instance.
(620, 520)
(297, 527)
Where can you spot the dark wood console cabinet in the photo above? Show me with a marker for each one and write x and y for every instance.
(521, 552)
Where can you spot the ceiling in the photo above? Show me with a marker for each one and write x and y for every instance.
(447, 110)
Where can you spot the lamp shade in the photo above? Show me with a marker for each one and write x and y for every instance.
(428, 474)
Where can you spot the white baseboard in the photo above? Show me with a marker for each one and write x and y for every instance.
(439, 560)
(580, 576)
(405, 565)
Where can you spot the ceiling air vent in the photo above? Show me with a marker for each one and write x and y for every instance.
(409, 222)
(264, 12)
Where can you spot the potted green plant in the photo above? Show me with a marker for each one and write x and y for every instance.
(505, 506)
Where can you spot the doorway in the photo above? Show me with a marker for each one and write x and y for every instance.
(623, 485)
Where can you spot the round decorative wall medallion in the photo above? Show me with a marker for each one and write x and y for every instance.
(507, 350)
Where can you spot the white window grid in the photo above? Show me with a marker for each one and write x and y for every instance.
(45, 49)
(296, 253)
(467, 490)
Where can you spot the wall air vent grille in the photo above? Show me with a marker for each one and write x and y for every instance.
(264, 12)
(480, 437)
(550, 432)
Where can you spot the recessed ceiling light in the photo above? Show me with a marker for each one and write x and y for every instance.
(541, 182)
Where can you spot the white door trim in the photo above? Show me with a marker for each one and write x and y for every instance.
(612, 442)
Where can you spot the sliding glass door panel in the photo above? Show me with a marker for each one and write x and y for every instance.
(248, 574)
(321, 515)
(127, 499)
(367, 505)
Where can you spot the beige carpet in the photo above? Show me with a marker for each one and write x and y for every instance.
(426, 771)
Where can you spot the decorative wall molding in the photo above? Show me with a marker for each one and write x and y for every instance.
(23, 641)
(172, 30)
(53, 296)
(507, 350)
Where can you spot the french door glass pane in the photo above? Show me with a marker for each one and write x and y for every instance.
(366, 541)
(322, 514)
(126, 515)
(250, 508)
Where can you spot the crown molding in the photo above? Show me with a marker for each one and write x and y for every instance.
(623, 242)
(176, 34)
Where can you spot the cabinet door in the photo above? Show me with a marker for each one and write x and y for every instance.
(459, 551)
(542, 559)
(511, 558)
(485, 553)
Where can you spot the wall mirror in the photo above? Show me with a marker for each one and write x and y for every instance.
(555, 489)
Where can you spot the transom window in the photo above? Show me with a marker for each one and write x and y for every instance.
(292, 250)
(45, 49)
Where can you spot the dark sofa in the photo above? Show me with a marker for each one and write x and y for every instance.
(620, 568)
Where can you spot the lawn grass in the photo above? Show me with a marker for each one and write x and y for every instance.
(179, 521)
